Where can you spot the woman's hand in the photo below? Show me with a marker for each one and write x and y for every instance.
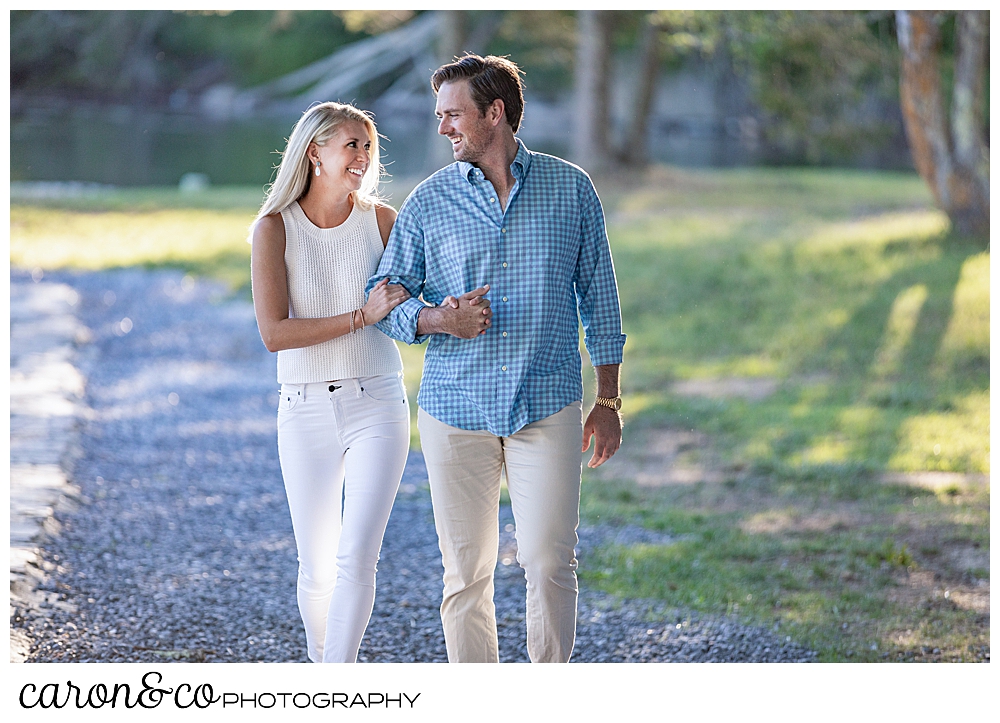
(384, 297)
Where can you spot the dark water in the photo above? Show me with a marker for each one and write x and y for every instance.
(129, 146)
(126, 146)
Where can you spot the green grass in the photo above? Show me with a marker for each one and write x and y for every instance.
(841, 293)
(831, 567)
(204, 234)
(843, 287)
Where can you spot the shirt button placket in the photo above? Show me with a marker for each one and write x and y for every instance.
(503, 233)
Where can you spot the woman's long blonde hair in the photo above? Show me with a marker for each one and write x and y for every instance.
(318, 125)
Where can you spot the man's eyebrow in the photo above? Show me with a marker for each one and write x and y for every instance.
(442, 111)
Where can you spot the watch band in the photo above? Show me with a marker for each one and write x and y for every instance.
(610, 402)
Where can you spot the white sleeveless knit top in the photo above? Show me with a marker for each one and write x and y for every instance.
(327, 270)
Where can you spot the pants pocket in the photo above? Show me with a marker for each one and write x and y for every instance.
(386, 390)
(289, 398)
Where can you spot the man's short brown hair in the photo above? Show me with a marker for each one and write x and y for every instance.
(489, 78)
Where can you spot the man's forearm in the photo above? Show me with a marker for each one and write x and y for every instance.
(430, 321)
(466, 317)
(608, 380)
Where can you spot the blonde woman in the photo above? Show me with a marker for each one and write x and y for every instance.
(343, 420)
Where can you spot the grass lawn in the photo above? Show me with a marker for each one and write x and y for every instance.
(806, 386)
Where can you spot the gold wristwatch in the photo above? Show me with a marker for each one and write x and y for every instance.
(610, 402)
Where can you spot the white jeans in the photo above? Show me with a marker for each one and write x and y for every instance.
(342, 447)
(543, 465)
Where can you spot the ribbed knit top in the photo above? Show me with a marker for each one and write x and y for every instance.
(327, 269)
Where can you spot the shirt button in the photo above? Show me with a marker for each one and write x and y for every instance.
(503, 230)
(505, 264)
(505, 298)
(492, 200)
(505, 333)
(503, 369)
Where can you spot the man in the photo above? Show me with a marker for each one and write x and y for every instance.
(501, 387)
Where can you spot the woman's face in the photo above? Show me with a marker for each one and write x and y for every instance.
(345, 157)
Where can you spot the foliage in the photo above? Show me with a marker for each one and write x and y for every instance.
(130, 54)
(824, 82)
(373, 22)
(543, 43)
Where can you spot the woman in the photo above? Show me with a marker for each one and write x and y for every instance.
(343, 420)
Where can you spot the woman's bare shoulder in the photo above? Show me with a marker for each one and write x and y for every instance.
(384, 210)
(386, 217)
(270, 229)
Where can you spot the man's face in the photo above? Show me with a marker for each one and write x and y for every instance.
(470, 132)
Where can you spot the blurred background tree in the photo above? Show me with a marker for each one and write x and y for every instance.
(825, 82)
(948, 131)
(822, 86)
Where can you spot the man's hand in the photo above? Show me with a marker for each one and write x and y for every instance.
(466, 317)
(604, 423)
(605, 426)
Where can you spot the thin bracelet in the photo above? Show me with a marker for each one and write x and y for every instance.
(362, 312)
(352, 322)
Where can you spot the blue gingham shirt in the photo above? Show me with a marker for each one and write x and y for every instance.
(546, 257)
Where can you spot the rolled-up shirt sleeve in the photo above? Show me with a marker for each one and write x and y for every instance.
(596, 287)
(403, 263)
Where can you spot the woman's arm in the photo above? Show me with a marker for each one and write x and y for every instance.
(270, 296)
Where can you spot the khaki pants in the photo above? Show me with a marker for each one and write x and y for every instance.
(543, 466)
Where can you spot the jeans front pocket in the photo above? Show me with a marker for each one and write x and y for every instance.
(289, 398)
(387, 389)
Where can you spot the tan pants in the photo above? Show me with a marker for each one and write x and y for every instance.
(543, 466)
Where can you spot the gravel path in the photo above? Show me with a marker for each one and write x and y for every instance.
(182, 548)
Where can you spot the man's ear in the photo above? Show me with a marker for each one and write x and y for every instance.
(496, 112)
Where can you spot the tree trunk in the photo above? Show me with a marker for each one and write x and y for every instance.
(453, 28)
(453, 33)
(633, 148)
(591, 148)
(972, 155)
(951, 156)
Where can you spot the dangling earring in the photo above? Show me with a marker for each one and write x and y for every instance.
(317, 167)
